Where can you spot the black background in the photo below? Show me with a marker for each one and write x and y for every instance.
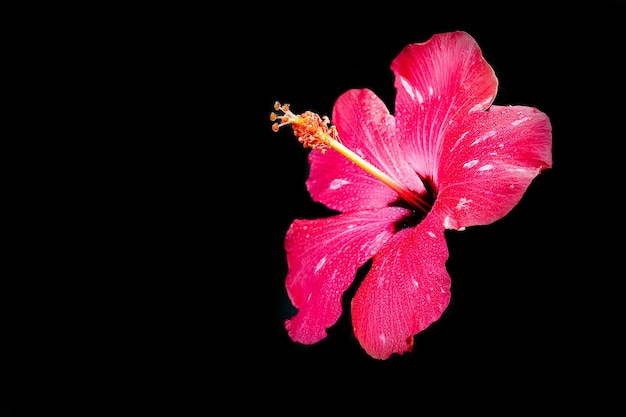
(149, 253)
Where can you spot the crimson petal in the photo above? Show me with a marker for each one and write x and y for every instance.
(366, 127)
(438, 81)
(489, 160)
(323, 257)
(406, 289)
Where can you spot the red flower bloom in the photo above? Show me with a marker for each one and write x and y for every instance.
(449, 159)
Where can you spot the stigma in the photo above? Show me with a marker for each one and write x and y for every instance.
(312, 131)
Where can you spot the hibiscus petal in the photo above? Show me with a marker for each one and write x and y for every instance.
(406, 289)
(323, 257)
(436, 81)
(489, 160)
(366, 127)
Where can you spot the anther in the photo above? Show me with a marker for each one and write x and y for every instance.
(311, 130)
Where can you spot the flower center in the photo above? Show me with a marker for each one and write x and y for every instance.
(315, 132)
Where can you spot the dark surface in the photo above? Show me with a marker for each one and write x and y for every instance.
(151, 265)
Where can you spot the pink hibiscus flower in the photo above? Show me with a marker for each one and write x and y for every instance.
(449, 159)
